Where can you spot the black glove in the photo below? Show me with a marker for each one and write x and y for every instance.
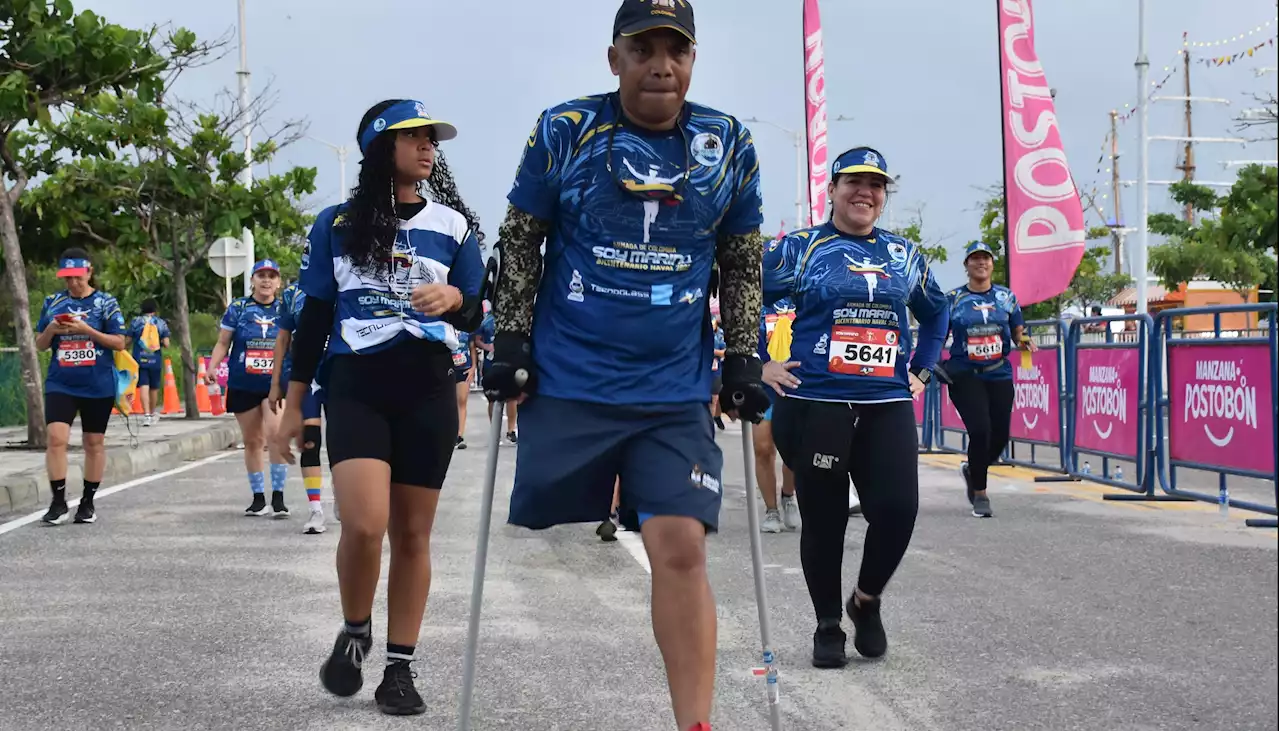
(510, 372)
(743, 393)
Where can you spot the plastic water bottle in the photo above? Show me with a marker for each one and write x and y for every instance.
(1086, 470)
(1224, 501)
(1119, 475)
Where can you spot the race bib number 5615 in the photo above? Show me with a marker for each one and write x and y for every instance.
(864, 351)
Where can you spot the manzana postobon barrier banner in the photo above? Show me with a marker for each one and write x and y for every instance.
(1107, 383)
(815, 108)
(1221, 406)
(1036, 405)
(1044, 222)
(950, 416)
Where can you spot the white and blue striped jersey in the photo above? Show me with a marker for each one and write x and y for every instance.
(371, 309)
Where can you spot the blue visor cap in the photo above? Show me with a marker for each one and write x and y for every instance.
(73, 267)
(266, 265)
(406, 115)
(861, 160)
(975, 247)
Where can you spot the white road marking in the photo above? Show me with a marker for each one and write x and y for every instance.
(635, 546)
(17, 523)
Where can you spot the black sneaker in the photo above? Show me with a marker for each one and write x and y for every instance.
(512, 438)
(968, 487)
(85, 513)
(278, 508)
(258, 507)
(719, 423)
(341, 674)
(828, 645)
(396, 696)
(608, 530)
(58, 513)
(868, 632)
(460, 443)
(981, 506)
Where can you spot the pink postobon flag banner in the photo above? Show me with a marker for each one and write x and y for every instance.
(1044, 223)
(815, 108)
(1221, 407)
(1107, 397)
(950, 416)
(1036, 404)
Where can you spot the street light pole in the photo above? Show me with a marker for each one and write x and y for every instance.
(342, 165)
(802, 171)
(1140, 255)
(246, 175)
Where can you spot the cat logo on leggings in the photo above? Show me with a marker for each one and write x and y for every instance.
(825, 461)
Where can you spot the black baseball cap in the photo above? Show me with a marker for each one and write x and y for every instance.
(637, 16)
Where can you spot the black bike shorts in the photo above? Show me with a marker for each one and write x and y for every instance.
(95, 413)
(398, 406)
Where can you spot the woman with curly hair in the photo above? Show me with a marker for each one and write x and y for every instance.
(391, 277)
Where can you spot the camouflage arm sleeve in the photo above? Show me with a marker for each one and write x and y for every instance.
(520, 272)
(741, 296)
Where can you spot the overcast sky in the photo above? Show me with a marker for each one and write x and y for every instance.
(919, 78)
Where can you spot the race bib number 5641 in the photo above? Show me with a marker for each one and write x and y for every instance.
(864, 351)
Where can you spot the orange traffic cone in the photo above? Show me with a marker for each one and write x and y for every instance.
(171, 402)
(137, 402)
(202, 394)
(217, 408)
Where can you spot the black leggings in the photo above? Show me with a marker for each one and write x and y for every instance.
(986, 408)
(826, 444)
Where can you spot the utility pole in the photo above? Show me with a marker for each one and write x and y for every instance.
(1188, 166)
(1117, 240)
(1139, 267)
(246, 176)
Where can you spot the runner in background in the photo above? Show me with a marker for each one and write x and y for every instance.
(292, 300)
(248, 341)
(717, 359)
(484, 341)
(775, 320)
(464, 369)
(149, 333)
(82, 326)
(986, 325)
(847, 407)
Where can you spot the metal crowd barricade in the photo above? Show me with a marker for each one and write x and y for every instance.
(946, 420)
(1038, 418)
(1221, 405)
(923, 407)
(1108, 404)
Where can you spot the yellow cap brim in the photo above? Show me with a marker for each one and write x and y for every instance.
(444, 130)
(863, 169)
(668, 26)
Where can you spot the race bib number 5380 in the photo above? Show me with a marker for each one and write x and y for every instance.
(864, 351)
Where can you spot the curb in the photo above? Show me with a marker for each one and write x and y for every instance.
(30, 490)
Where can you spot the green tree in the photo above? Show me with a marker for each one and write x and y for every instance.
(1233, 242)
(934, 251)
(160, 188)
(50, 58)
(1091, 284)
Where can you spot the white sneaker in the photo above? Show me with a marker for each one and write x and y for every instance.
(790, 512)
(772, 522)
(314, 524)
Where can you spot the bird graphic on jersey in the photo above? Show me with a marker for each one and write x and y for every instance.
(870, 271)
(78, 314)
(985, 309)
(264, 323)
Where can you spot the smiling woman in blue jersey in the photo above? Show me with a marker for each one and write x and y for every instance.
(848, 388)
(393, 280)
(248, 340)
(986, 323)
(82, 326)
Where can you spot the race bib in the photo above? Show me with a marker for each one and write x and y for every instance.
(77, 353)
(459, 359)
(985, 347)
(259, 362)
(864, 351)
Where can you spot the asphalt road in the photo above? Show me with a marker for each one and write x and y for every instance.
(1063, 612)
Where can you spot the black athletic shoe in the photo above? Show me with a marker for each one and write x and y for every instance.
(828, 645)
(608, 530)
(396, 696)
(868, 632)
(968, 487)
(981, 506)
(719, 423)
(84, 513)
(278, 508)
(58, 513)
(341, 674)
(258, 507)
(460, 443)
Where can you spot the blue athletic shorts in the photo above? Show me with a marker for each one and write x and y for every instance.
(312, 403)
(570, 452)
(768, 414)
(150, 376)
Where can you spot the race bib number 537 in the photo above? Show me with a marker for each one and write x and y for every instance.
(864, 351)
(259, 362)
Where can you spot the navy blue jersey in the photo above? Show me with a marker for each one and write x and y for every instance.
(462, 356)
(372, 310)
(486, 333)
(253, 327)
(852, 334)
(79, 366)
(291, 301)
(621, 310)
(142, 351)
(718, 344)
(982, 326)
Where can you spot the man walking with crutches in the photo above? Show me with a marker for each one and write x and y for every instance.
(617, 350)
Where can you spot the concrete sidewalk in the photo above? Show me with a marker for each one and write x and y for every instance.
(24, 485)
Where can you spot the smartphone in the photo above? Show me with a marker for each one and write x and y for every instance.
(64, 319)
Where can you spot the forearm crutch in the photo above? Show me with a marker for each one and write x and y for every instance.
(482, 554)
(769, 672)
